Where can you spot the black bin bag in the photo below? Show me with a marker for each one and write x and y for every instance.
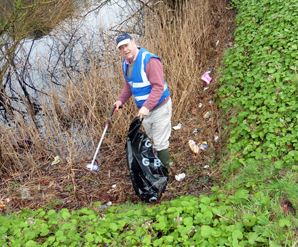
(148, 175)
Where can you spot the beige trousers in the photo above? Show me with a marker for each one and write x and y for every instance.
(157, 125)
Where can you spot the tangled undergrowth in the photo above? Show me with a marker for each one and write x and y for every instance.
(29, 179)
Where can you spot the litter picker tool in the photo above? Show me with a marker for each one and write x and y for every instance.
(101, 139)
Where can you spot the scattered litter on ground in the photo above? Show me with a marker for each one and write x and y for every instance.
(193, 146)
(200, 105)
(216, 137)
(206, 166)
(49, 184)
(56, 160)
(207, 114)
(109, 203)
(206, 77)
(204, 90)
(7, 200)
(25, 193)
(203, 145)
(196, 131)
(177, 127)
(210, 101)
(180, 176)
(217, 43)
(114, 186)
(95, 167)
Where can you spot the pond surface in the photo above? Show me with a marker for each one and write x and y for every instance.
(65, 45)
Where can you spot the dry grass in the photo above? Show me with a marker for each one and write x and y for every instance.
(74, 116)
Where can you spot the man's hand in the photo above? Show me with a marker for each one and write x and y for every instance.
(118, 104)
(143, 112)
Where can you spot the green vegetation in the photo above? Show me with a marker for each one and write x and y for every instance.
(256, 202)
(187, 221)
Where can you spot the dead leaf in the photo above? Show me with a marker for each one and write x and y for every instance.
(282, 172)
(194, 111)
(296, 231)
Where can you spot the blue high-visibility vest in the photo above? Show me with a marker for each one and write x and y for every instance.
(139, 83)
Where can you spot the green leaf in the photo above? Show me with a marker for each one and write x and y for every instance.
(206, 231)
(284, 222)
(216, 233)
(188, 221)
(44, 232)
(205, 199)
(65, 215)
(113, 226)
(30, 243)
(161, 225)
(237, 234)
(89, 237)
(3, 229)
(147, 240)
(97, 204)
(169, 239)
(265, 200)
(30, 235)
(278, 164)
(242, 193)
(233, 120)
(59, 233)
(62, 238)
(215, 188)
(65, 226)
(51, 239)
(50, 212)
(252, 237)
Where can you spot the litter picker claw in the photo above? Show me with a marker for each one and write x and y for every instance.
(103, 134)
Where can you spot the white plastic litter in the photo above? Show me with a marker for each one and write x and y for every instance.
(180, 176)
(56, 160)
(205, 88)
(114, 185)
(216, 138)
(109, 203)
(177, 127)
(25, 192)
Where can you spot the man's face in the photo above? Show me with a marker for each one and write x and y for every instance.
(129, 50)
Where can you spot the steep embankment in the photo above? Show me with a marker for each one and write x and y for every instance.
(255, 205)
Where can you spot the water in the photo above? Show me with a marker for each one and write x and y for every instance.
(43, 64)
(64, 47)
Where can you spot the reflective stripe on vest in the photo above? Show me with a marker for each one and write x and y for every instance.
(139, 83)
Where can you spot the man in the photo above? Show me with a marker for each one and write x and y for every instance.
(144, 78)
